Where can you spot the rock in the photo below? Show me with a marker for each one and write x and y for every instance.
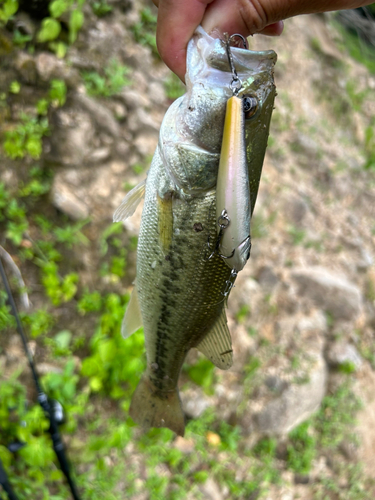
(305, 144)
(73, 139)
(296, 403)
(143, 123)
(48, 66)
(296, 210)
(194, 402)
(101, 115)
(341, 353)
(26, 67)
(146, 144)
(333, 293)
(133, 99)
(64, 198)
(183, 444)
(99, 155)
(211, 490)
(157, 93)
(267, 278)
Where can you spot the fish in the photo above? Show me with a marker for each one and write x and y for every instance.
(186, 265)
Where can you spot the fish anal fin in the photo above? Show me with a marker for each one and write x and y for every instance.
(217, 344)
(152, 408)
(132, 319)
(130, 203)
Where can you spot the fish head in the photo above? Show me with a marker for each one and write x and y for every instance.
(192, 130)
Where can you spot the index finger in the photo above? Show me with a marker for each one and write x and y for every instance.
(177, 21)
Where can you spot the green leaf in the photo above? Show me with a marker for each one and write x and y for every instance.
(50, 30)
(9, 8)
(57, 92)
(75, 24)
(63, 339)
(58, 7)
(15, 87)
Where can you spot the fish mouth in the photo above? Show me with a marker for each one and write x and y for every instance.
(214, 55)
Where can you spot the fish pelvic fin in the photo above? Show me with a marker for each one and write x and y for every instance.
(130, 203)
(153, 408)
(217, 344)
(133, 318)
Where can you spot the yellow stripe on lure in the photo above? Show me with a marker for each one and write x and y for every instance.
(233, 208)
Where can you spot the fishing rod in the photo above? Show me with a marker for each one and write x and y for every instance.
(50, 408)
(6, 485)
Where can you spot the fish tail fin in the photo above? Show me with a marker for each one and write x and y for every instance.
(153, 408)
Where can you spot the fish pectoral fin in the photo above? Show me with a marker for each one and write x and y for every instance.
(132, 319)
(217, 344)
(130, 202)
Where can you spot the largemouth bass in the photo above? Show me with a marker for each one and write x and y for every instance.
(182, 283)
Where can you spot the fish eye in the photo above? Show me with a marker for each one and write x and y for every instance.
(250, 106)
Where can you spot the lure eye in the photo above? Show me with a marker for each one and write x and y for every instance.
(250, 106)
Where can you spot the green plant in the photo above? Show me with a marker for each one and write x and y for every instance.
(57, 93)
(51, 26)
(144, 31)
(7, 10)
(101, 8)
(110, 83)
(26, 138)
(114, 364)
(202, 373)
(57, 288)
(174, 88)
(336, 416)
(301, 449)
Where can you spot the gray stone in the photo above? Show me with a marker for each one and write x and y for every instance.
(64, 198)
(48, 66)
(211, 490)
(157, 93)
(296, 209)
(296, 403)
(73, 139)
(194, 402)
(26, 67)
(267, 278)
(142, 122)
(101, 115)
(133, 99)
(341, 352)
(331, 292)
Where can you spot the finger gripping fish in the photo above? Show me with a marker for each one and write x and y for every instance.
(183, 277)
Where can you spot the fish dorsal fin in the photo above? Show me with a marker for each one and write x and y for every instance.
(132, 319)
(217, 344)
(130, 202)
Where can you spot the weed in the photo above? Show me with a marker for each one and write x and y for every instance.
(174, 88)
(243, 313)
(202, 373)
(144, 31)
(301, 449)
(71, 234)
(109, 84)
(101, 8)
(26, 138)
(336, 416)
(89, 302)
(297, 235)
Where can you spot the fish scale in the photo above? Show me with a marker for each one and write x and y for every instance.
(198, 303)
(182, 281)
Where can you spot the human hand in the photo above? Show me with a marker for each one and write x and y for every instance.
(178, 19)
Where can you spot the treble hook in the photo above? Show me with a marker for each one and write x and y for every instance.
(236, 83)
(223, 222)
(229, 284)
